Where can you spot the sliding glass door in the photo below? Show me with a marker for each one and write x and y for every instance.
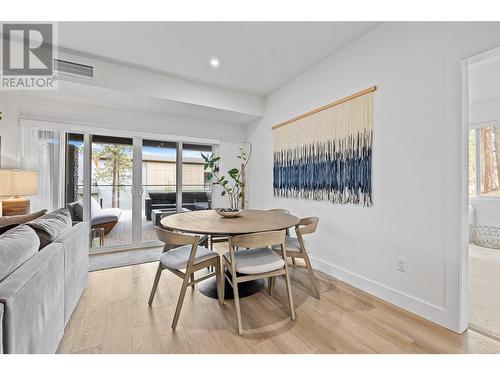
(111, 198)
(159, 184)
(196, 188)
(120, 186)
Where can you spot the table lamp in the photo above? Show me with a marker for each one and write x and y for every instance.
(16, 184)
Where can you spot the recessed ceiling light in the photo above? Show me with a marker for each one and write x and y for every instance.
(214, 62)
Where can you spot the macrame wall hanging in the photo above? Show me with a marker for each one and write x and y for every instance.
(326, 154)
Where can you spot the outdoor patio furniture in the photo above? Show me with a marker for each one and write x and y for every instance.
(97, 233)
(105, 218)
(192, 200)
(159, 214)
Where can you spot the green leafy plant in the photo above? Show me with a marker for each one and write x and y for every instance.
(232, 184)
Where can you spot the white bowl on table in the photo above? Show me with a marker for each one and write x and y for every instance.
(227, 214)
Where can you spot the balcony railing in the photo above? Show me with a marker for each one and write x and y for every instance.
(103, 193)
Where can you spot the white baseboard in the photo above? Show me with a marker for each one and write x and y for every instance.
(424, 309)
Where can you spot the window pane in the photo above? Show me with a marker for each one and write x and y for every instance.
(490, 160)
(159, 184)
(472, 163)
(111, 189)
(196, 189)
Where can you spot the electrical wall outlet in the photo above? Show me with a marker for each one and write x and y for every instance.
(402, 264)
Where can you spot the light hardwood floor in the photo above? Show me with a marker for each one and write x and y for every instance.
(113, 316)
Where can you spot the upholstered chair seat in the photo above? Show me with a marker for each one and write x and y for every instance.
(178, 258)
(254, 261)
(183, 252)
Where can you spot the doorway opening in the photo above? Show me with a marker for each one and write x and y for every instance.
(483, 138)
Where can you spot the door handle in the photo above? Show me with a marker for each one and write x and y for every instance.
(137, 190)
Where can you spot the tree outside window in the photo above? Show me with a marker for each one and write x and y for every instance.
(113, 164)
(488, 141)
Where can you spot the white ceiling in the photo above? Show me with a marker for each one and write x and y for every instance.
(73, 92)
(255, 57)
(484, 79)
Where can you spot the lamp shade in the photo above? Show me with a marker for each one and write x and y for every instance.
(5, 182)
(17, 182)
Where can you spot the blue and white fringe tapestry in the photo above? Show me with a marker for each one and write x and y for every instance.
(327, 155)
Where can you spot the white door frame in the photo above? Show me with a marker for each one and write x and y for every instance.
(464, 171)
(137, 192)
(463, 314)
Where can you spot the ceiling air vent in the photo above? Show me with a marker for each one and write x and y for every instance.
(73, 68)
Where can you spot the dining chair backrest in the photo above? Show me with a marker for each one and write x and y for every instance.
(307, 225)
(256, 240)
(174, 239)
(280, 210)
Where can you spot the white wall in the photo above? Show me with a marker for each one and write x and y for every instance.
(416, 163)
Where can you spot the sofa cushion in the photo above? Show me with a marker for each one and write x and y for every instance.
(33, 299)
(75, 242)
(78, 210)
(194, 196)
(106, 215)
(51, 225)
(201, 206)
(16, 247)
(20, 219)
(162, 197)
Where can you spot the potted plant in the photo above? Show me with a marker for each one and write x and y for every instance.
(232, 184)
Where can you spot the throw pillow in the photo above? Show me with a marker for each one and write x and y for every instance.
(16, 247)
(50, 226)
(78, 209)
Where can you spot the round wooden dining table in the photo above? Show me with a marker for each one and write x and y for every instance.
(210, 223)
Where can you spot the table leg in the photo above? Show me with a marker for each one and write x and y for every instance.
(248, 288)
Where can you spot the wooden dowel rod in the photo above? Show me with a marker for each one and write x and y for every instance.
(337, 102)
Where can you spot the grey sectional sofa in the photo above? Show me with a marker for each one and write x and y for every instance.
(39, 289)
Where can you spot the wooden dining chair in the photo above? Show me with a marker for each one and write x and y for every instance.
(182, 252)
(216, 238)
(295, 248)
(286, 212)
(258, 261)
(280, 210)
